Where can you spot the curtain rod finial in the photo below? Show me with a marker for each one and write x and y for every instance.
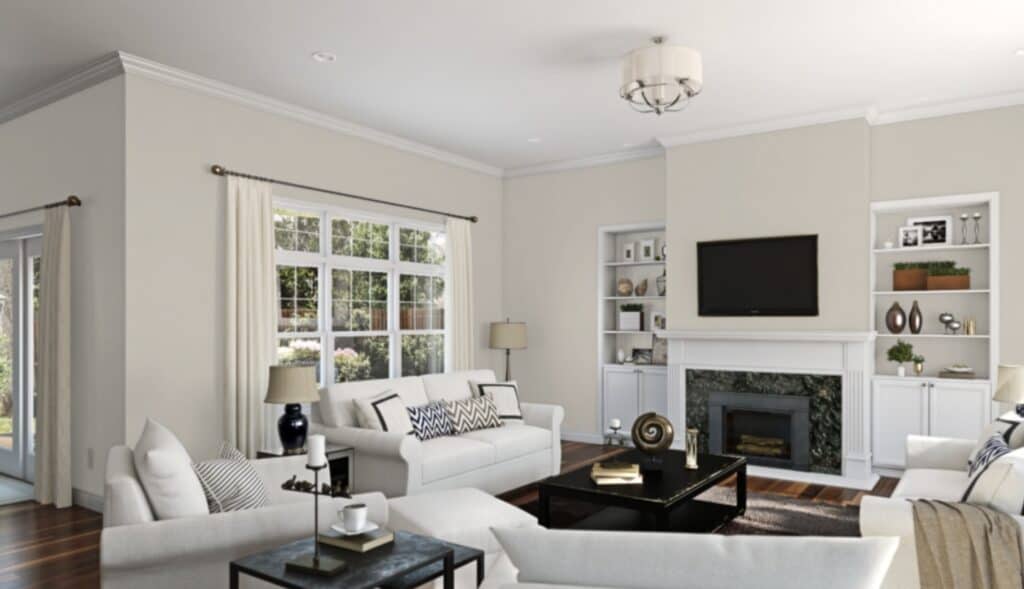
(217, 169)
(474, 218)
(74, 201)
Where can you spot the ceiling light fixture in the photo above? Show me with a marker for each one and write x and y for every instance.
(1019, 52)
(324, 57)
(661, 78)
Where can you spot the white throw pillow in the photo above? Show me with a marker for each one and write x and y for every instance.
(504, 395)
(165, 470)
(230, 481)
(1009, 427)
(385, 412)
(999, 484)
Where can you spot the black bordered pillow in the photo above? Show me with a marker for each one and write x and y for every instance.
(472, 414)
(431, 421)
(505, 396)
(385, 412)
(1011, 430)
(998, 482)
(230, 482)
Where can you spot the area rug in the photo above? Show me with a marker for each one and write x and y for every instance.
(767, 514)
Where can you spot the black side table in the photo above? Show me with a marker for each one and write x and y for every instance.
(411, 560)
(341, 458)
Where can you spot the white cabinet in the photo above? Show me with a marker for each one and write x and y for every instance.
(632, 390)
(925, 407)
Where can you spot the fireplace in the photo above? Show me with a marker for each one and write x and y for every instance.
(770, 430)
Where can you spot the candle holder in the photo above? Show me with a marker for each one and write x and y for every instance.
(315, 563)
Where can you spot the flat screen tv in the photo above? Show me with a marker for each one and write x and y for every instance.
(774, 276)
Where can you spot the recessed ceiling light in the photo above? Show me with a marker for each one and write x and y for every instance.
(627, 145)
(1019, 52)
(534, 140)
(324, 57)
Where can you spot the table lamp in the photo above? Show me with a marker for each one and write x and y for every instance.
(290, 386)
(508, 336)
(1010, 386)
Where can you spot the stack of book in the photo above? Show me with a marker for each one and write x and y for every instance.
(616, 473)
(359, 542)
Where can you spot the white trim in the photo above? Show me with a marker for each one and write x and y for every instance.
(88, 500)
(773, 336)
(101, 70)
(942, 109)
(766, 126)
(816, 478)
(586, 162)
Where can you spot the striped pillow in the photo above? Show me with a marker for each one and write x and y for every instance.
(230, 482)
(431, 421)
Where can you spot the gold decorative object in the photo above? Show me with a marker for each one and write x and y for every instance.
(652, 433)
(691, 448)
(624, 287)
(641, 288)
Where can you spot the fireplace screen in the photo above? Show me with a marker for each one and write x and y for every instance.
(770, 430)
(757, 433)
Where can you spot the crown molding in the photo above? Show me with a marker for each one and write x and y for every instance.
(101, 70)
(767, 126)
(944, 109)
(587, 162)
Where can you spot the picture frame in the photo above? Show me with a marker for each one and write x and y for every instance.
(629, 252)
(935, 230)
(646, 253)
(642, 355)
(911, 236)
(659, 354)
(658, 321)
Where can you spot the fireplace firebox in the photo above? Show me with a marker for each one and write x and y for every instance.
(770, 430)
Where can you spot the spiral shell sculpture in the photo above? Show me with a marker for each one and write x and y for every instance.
(652, 433)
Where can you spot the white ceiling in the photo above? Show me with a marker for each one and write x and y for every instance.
(480, 78)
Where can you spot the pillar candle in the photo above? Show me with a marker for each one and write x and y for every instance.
(315, 448)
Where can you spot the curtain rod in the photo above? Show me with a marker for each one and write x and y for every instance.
(70, 201)
(222, 171)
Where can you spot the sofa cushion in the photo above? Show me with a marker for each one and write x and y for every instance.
(932, 483)
(505, 396)
(1000, 482)
(452, 386)
(165, 470)
(230, 482)
(431, 421)
(449, 456)
(385, 412)
(472, 414)
(1008, 426)
(337, 407)
(513, 440)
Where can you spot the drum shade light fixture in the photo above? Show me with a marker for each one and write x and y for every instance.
(661, 78)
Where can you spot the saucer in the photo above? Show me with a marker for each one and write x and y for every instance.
(340, 528)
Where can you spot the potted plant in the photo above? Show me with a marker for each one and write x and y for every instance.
(947, 276)
(631, 317)
(901, 353)
(918, 364)
(910, 276)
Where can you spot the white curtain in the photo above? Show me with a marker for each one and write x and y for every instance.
(460, 287)
(251, 311)
(53, 410)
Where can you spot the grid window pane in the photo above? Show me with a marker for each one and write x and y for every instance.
(296, 231)
(422, 247)
(360, 239)
(298, 287)
(422, 354)
(359, 300)
(299, 351)
(421, 302)
(361, 358)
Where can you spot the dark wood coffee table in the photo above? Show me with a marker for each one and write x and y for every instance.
(665, 502)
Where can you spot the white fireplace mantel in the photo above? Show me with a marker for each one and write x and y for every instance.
(847, 354)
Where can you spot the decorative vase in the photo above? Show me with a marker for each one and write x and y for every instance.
(918, 368)
(916, 319)
(691, 448)
(620, 356)
(292, 428)
(895, 318)
(901, 370)
(624, 287)
(641, 288)
(660, 283)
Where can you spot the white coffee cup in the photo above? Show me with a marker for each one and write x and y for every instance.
(354, 516)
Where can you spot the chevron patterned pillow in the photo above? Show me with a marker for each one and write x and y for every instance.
(230, 482)
(431, 421)
(472, 414)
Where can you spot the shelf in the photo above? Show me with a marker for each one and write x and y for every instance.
(644, 298)
(929, 292)
(932, 248)
(932, 336)
(622, 264)
(926, 378)
(617, 332)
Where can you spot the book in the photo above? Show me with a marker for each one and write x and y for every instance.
(615, 469)
(358, 543)
(602, 481)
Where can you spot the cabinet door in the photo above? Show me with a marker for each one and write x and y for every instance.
(957, 410)
(899, 409)
(621, 396)
(654, 392)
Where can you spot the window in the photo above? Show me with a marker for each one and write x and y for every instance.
(359, 298)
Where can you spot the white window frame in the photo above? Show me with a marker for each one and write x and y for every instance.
(325, 262)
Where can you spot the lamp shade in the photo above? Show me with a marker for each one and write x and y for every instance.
(508, 336)
(292, 384)
(1010, 384)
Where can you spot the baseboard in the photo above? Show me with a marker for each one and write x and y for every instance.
(87, 500)
(583, 437)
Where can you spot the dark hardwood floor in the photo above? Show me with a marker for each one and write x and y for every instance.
(47, 547)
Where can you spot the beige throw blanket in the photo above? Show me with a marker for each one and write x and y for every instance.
(963, 546)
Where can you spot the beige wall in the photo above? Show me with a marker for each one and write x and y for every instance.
(175, 228)
(812, 180)
(973, 152)
(550, 269)
(76, 146)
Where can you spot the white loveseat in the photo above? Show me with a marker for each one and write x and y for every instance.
(936, 469)
(493, 460)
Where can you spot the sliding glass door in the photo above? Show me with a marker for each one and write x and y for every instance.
(19, 300)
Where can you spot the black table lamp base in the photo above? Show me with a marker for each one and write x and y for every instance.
(292, 428)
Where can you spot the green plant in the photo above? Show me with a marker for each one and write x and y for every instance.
(901, 352)
(948, 271)
(918, 359)
(631, 308)
(943, 268)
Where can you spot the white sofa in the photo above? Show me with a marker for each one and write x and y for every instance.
(936, 469)
(493, 460)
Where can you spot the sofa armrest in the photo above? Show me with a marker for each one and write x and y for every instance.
(938, 453)
(886, 517)
(550, 418)
(388, 462)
